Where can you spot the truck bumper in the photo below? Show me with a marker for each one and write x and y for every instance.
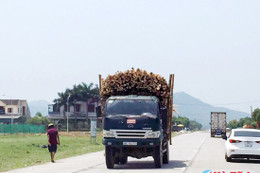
(118, 142)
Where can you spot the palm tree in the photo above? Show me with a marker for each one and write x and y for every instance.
(80, 92)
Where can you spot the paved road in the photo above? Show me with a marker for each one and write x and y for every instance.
(190, 153)
(211, 156)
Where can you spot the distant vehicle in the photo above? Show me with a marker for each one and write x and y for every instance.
(243, 143)
(218, 124)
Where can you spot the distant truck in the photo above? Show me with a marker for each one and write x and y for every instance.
(218, 124)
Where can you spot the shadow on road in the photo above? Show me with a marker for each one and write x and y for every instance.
(253, 161)
(150, 165)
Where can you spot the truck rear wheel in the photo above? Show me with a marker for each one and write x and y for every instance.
(110, 158)
(166, 155)
(158, 155)
(123, 160)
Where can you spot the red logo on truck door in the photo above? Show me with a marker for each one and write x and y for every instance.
(130, 121)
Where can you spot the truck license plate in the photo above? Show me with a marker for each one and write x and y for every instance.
(131, 121)
(248, 143)
(129, 143)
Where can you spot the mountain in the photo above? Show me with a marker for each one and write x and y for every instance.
(38, 106)
(195, 109)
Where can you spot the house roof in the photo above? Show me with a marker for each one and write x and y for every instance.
(9, 117)
(10, 101)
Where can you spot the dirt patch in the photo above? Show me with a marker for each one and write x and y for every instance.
(87, 134)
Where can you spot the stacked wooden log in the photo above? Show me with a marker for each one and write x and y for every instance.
(135, 82)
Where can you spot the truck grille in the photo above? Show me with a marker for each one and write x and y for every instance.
(130, 133)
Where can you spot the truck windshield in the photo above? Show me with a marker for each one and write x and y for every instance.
(131, 107)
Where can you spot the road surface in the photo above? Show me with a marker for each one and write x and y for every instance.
(190, 153)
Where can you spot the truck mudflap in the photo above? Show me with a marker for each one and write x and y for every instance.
(115, 142)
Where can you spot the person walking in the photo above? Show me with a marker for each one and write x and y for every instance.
(53, 140)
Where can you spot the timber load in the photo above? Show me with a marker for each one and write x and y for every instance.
(135, 82)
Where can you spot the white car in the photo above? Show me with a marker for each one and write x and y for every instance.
(243, 143)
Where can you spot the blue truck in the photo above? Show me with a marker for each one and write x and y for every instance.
(137, 126)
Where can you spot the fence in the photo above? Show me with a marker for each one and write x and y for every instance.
(21, 128)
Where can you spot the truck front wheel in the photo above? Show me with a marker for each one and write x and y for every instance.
(158, 155)
(166, 155)
(110, 158)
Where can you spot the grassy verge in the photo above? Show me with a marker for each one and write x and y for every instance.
(174, 134)
(21, 150)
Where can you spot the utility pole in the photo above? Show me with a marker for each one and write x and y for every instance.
(68, 113)
(12, 120)
(251, 111)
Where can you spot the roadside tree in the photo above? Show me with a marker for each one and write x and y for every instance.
(232, 124)
(246, 121)
(38, 119)
(256, 116)
(81, 92)
(194, 125)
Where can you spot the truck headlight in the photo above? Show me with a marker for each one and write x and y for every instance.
(108, 134)
(153, 134)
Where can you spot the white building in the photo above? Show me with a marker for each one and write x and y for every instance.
(79, 113)
(14, 111)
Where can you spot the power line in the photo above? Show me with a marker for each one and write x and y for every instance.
(219, 104)
(237, 103)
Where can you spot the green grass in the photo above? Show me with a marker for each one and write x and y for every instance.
(23, 150)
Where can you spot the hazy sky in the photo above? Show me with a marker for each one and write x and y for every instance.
(212, 47)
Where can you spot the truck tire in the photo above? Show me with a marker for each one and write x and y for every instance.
(166, 155)
(123, 160)
(158, 156)
(224, 137)
(110, 158)
(116, 160)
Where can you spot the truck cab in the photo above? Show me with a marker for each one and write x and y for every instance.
(132, 126)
